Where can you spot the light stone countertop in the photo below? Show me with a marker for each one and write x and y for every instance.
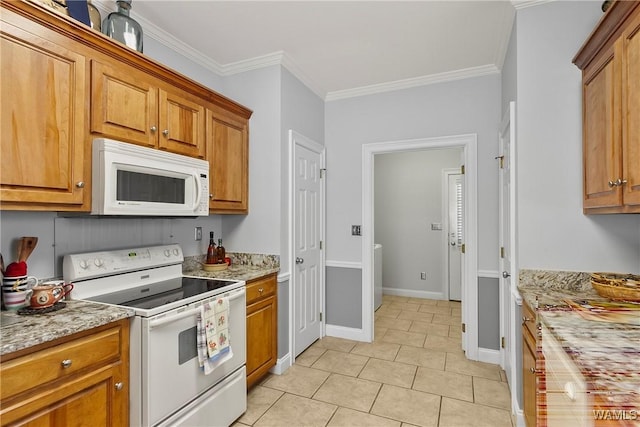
(36, 329)
(603, 345)
(80, 315)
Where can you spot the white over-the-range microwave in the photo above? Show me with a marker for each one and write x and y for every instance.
(132, 180)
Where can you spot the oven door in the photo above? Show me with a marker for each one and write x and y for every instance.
(171, 375)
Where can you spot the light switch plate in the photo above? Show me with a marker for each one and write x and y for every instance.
(436, 226)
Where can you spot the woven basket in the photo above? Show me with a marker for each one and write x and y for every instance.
(619, 287)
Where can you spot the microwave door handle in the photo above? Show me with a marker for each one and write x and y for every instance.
(198, 191)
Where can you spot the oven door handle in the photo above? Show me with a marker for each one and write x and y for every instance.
(189, 312)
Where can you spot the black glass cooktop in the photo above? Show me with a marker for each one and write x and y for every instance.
(162, 293)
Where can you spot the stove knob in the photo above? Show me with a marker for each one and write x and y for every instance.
(98, 262)
(175, 252)
(84, 264)
(167, 252)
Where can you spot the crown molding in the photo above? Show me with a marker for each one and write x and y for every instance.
(523, 4)
(466, 73)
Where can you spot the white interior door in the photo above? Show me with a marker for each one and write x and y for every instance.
(308, 276)
(455, 237)
(507, 239)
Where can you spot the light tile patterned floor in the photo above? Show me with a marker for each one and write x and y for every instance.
(413, 374)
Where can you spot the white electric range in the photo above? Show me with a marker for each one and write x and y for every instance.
(168, 387)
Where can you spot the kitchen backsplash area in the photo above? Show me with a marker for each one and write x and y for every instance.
(60, 235)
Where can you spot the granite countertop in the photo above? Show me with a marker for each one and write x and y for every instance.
(243, 267)
(36, 329)
(604, 346)
(80, 315)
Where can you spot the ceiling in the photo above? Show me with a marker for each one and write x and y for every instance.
(337, 48)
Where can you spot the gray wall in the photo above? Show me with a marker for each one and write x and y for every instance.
(408, 199)
(489, 313)
(552, 231)
(459, 107)
(343, 295)
(283, 318)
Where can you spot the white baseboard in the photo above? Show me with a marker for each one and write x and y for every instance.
(344, 332)
(412, 293)
(488, 356)
(282, 365)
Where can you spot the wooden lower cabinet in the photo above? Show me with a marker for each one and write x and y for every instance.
(530, 366)
(262, 327)
(78, 380)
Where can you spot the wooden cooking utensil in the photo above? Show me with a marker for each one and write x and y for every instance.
(27, 244)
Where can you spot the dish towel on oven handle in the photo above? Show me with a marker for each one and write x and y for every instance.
(213, 339)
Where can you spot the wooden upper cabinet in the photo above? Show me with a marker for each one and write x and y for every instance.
(43, 119)
(124, 104)
(610, 64)
(228, 155)
(129, 105)
(601, 137)
(630, 48)
(64, 84)
(182, 123)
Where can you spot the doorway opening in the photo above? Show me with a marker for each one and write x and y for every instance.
(467, 144)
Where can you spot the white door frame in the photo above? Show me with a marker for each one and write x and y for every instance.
(468, 143)
(509, 121)
(446, 290)
(296, 138)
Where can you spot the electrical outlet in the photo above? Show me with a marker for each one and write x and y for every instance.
(355, 230)
(198, 233)
(423, 276)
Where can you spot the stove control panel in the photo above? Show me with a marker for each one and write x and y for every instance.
(106, 263)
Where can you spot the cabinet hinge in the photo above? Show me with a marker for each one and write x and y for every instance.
(463, 248)
(462, 169)
(501, 251)
(323, 172)
(502, 342)
(501, 161)
(464, 327)
(321, 316)
(320, 244)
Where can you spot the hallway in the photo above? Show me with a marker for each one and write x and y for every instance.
(414, 373)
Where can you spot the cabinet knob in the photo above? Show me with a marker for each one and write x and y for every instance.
(533, 370)
(261, 290)
(165, 132)
(119, 386)
(153, 128)
(211, 196)
(617, 183)
(80, 184)
(66, 363)
(526, 319)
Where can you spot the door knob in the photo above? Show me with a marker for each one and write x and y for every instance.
(299, 260)
(505, 274)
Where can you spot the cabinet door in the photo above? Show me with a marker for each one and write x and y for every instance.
(602, 132)
(529, 384)
(43, 119)
(182, 124)
(124, 104)
(630, 47)
(93, 400)
(262, 344)
(228, 155)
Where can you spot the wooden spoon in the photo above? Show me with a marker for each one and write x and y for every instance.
(28, 244)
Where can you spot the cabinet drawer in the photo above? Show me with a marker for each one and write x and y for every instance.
(529, 320)
(42, 367)
(261, 288)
